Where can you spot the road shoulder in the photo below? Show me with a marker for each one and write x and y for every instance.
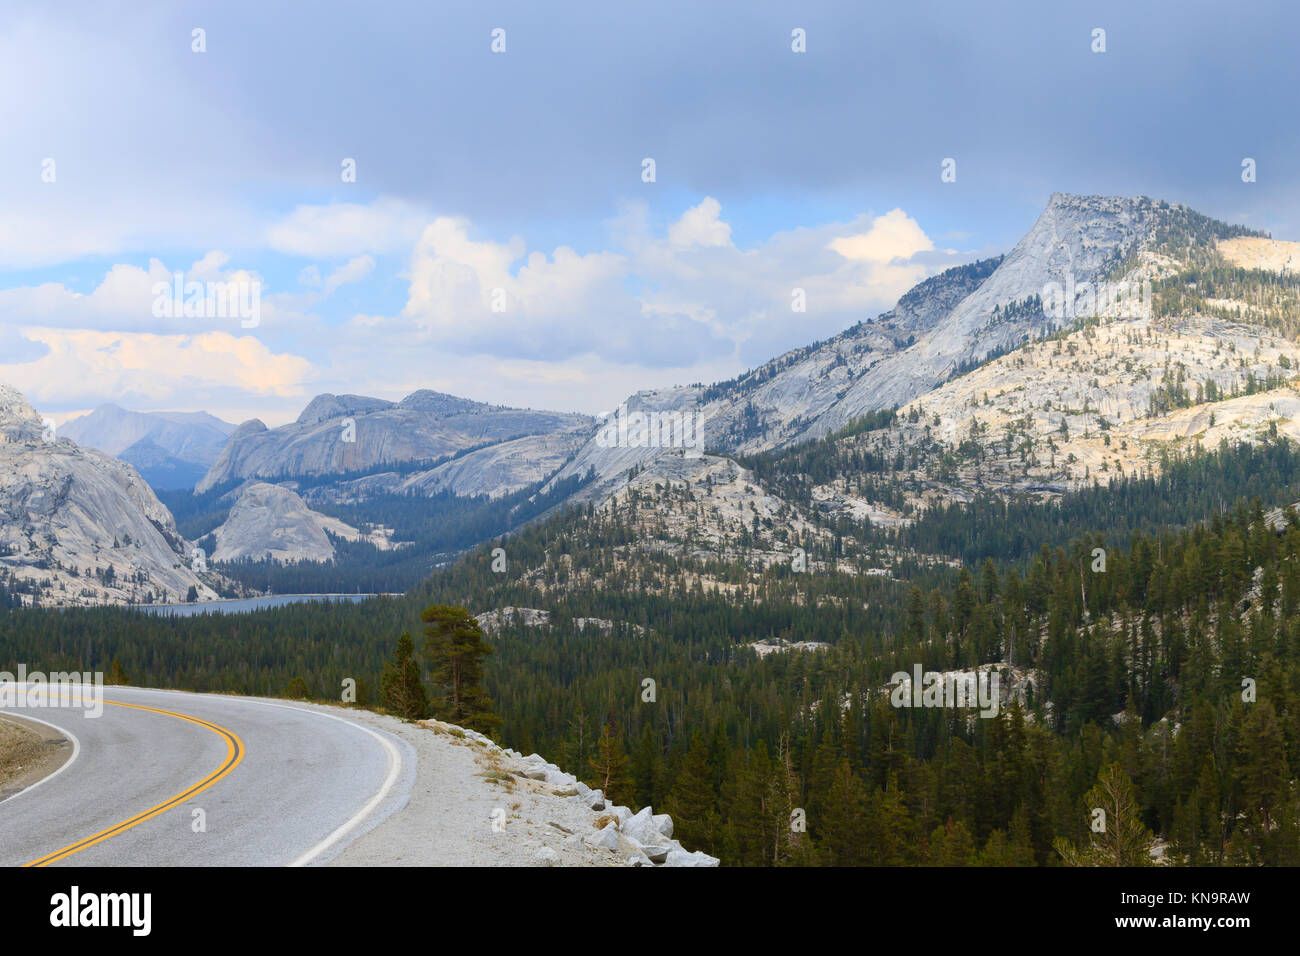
(29, 752)
(468, 808)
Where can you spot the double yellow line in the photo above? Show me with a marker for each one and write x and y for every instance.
(234, 754)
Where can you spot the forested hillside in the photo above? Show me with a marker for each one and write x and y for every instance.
(1140, 665)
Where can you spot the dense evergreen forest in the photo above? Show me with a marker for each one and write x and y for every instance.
(1184, 489)
(1126, 675)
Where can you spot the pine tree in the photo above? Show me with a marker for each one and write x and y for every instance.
(1124, 839)
(400, 688)
(891, 839)
(693, 802)
(744, 794)
(1208, 799)
(1263, 779)
(844, 835)
(791, 846)
(645, 768)
(455, 646)
(116, 674)
(610, 766)
(576, 745)
(914, 633)
(952, 845)
(1013, 850)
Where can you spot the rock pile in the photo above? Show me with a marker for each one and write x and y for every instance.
(643, 838)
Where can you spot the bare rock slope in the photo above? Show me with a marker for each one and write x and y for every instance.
(269, 522)
(80, 528)
(336, 434)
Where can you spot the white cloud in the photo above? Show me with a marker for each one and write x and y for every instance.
(124, 300)
(463, 295)
(348, 229)
(213, 370)
(210, 266)
(895, 235)
(700, 226)
(354, 270)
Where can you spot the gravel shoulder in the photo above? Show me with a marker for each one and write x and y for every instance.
(468, 807)
(29, 752)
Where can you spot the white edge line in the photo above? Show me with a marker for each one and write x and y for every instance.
(394, 771)
(76, 752)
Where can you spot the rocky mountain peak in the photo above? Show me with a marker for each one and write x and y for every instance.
(1099, 202)
(440, 404)
(250, 427)
(18, 419)
(325, 407)
(426, 426)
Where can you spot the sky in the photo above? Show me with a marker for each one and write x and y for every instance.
(456, 195)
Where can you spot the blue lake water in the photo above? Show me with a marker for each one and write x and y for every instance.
(244, 605)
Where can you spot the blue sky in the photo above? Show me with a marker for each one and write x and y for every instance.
(520, 174)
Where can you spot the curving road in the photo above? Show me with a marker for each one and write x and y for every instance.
(277, 783)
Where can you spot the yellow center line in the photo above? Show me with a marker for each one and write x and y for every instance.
(234, 754)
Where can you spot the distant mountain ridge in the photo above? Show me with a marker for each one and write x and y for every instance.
(340, 434)
(161, 469)
(191, 436)
(170, 449)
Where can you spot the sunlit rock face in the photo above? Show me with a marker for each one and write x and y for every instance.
(78, 527)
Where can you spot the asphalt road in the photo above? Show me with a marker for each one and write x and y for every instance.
(277, 783)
